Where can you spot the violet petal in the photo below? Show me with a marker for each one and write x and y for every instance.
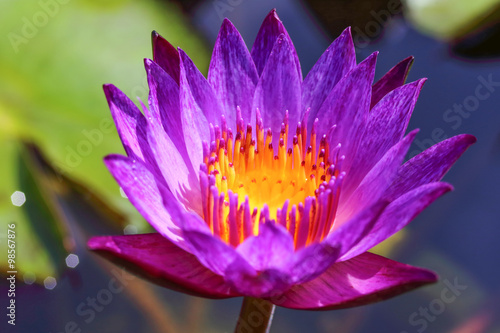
(314, 259)
(378, 179)
(430, 165)
(338, 60)
(160, 261)
(166, 56)
(278, 90)
(269, 31)
(394, 78)
(232, 74)
(271, 248)
(398, 214)
(384, 126)
(365, 279)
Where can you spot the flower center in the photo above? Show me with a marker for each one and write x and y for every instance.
(297, 187)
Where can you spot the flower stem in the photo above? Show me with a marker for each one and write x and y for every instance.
(256, 316)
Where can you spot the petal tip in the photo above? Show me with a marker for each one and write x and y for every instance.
(273, 14)
(470, 139)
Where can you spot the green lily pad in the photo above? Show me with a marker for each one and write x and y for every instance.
(55, 56)
(449, 19)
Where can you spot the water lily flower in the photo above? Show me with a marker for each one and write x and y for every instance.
(266, 185)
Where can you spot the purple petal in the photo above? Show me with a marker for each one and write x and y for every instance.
(232, 74)
(398, 214)
(271, 248)
(278, 90)
(380, 177)
(338, 60)
(199, 107)
(384, 126)
(130, 122)
(224, 260)
(365, 279)
(180, 177)
(132, 128)
(345, 106)
(266, 283)
(313, 260)
(394, 78)
(166, 141)
(430, 165)
(148, 196)
(349, 98)
(165, 105)
(212, 252)
(165, 55)
(270, 30)
(156, 259)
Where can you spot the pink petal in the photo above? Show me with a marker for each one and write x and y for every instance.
(232, 74)
(165, 137)
(394, 78)
(132, 128)
(267, 283)
(278, 89)
(160, 261)
(166, 56)
(398, 214)
(130, 122)
(269, 32)
(199, 107)
(338, 60)
(375, 183)
(365, 279)
(148, 196)
(212, 252)
(271, 248)
(384, 126)
(314, 259)
(223, 259)
(348, 100)
(164, 104)
(345, 106)
(430, 165)
(180, 177)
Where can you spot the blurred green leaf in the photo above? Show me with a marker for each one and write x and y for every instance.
(31, 255)
(54, 58)
(449, 19)
(42, 217)
(58, 216)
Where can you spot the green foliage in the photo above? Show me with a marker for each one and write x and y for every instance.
(448, 19)
(55, 56)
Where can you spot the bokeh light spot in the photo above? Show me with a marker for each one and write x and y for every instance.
(18, 198)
